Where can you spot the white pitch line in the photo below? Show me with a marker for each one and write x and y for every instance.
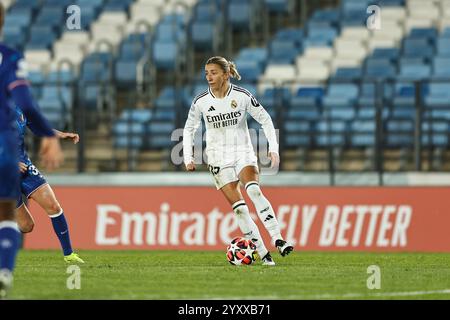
(276, 297)
(380, 294)
(336, 296)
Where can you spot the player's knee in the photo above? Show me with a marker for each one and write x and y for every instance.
(53, 208)
(254, 191)
(26, 227)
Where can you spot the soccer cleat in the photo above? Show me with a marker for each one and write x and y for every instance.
(73, 258)
(284, 248)
(6, 280)
(267, 260)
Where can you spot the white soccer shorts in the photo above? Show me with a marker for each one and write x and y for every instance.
(229, 173)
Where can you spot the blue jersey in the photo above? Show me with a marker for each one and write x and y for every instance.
(14, 90)
(32, 179)
(9, 170)
(21, 122)
(10, 76)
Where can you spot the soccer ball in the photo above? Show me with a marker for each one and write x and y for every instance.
(241, 251)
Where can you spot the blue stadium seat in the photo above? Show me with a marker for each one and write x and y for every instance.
(240, 14)
(166, 114)
(36, 78)
(439, 95)
(399, 133)
(165, 55)
(136, 115)
(279, 6)
(324, 34)
(423, 33)
(443, 47)
(331, 133)
(354, 5)
(306, 113)
(386, 53)
(298, 133)
(159, 134)
(414, 72)
(260, 55)
(418, 48)
(445, 33)
(441, 68)
(63, 76)
(283, 52)
(307, 97)
(125, 73)
(123, 128)
(167, 32)
(202, 35)
(250, 70)
(347, 74)
(331, 16)
(117, 5)
(206, 11)
(294, 35)
(340, 95)
(166, 99)
(53, 15)
(131, 50)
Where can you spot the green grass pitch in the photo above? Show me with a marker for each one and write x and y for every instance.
(207, 275)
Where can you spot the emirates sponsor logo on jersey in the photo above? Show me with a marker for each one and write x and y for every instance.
(224, 116)
(223, 120)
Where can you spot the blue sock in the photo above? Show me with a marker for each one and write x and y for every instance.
(9, 244)
(62, 231)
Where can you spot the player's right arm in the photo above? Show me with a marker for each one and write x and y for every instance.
(192, 123)
(19, 90)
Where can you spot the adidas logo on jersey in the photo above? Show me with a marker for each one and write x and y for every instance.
(211, 109)
(268, 217)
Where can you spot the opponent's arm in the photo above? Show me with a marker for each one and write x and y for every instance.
(67, 135)
(18, 88)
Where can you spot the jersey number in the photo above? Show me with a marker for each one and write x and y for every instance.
(33, 170)
(214, 170)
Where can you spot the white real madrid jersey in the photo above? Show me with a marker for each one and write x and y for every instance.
(227, 134)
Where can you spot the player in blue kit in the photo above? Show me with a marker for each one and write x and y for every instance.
(34, 186)
(14, 90)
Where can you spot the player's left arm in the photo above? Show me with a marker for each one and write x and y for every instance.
(18, 87)
(67, 135)
(59, 134)
(257, 111)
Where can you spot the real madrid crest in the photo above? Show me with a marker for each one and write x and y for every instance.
(234, 104)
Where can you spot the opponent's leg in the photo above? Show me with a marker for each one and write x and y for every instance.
(9, 193)
(248, 227)
(9, 245)
(46, 198)
(24, 218)
(249, 176)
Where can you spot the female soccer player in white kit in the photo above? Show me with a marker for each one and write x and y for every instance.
(231, 158)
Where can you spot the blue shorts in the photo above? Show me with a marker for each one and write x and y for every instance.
(9, 169)
(30, 181)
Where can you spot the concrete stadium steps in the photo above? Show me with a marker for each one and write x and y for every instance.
(156, 160)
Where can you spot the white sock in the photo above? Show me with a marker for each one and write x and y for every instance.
(248, 226)
(264, 210)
